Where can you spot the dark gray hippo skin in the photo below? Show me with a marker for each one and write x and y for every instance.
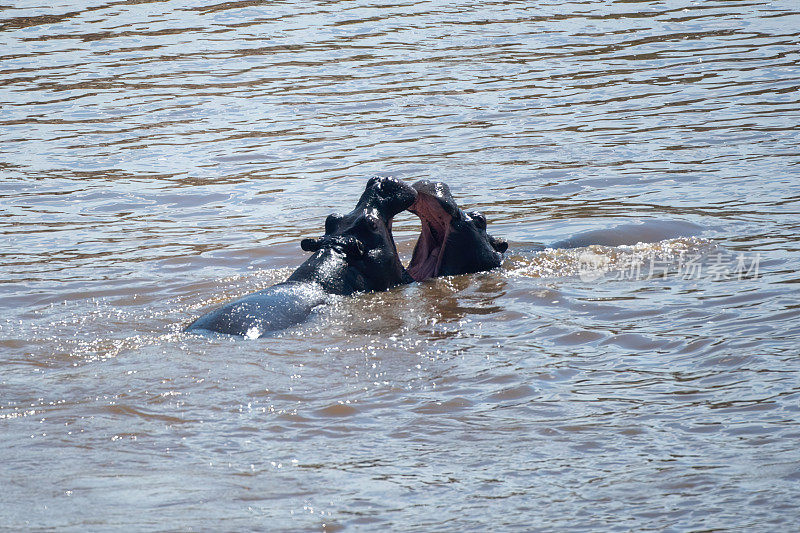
(357, 253)
(452, 241)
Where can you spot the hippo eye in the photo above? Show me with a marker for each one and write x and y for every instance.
(372, 220)
(353, 249)
(332, 222)
(479, 219)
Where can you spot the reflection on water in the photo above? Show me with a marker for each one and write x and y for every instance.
(159, 158)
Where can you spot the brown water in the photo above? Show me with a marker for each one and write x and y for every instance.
(159, 158)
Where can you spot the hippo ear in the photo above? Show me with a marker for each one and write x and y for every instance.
(332, 222)
(499, 245)
(310, 245)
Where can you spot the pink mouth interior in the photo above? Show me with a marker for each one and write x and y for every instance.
(427, 257)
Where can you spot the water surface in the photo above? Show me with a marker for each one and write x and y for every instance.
(159, 158)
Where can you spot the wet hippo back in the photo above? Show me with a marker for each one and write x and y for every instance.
(271, 309)
(627, 234)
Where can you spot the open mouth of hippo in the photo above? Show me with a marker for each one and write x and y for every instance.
(451, 241)
(435, 208)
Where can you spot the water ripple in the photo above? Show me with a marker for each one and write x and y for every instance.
(159, 158)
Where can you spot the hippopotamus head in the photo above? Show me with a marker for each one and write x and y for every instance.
(357, 251)
(452, 241)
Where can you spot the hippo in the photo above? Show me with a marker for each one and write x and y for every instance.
(627, 234)
(452, 241)
(357, 253)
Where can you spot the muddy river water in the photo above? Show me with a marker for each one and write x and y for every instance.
(158, 158)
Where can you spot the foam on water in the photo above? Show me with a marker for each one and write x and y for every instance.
(597, 261)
